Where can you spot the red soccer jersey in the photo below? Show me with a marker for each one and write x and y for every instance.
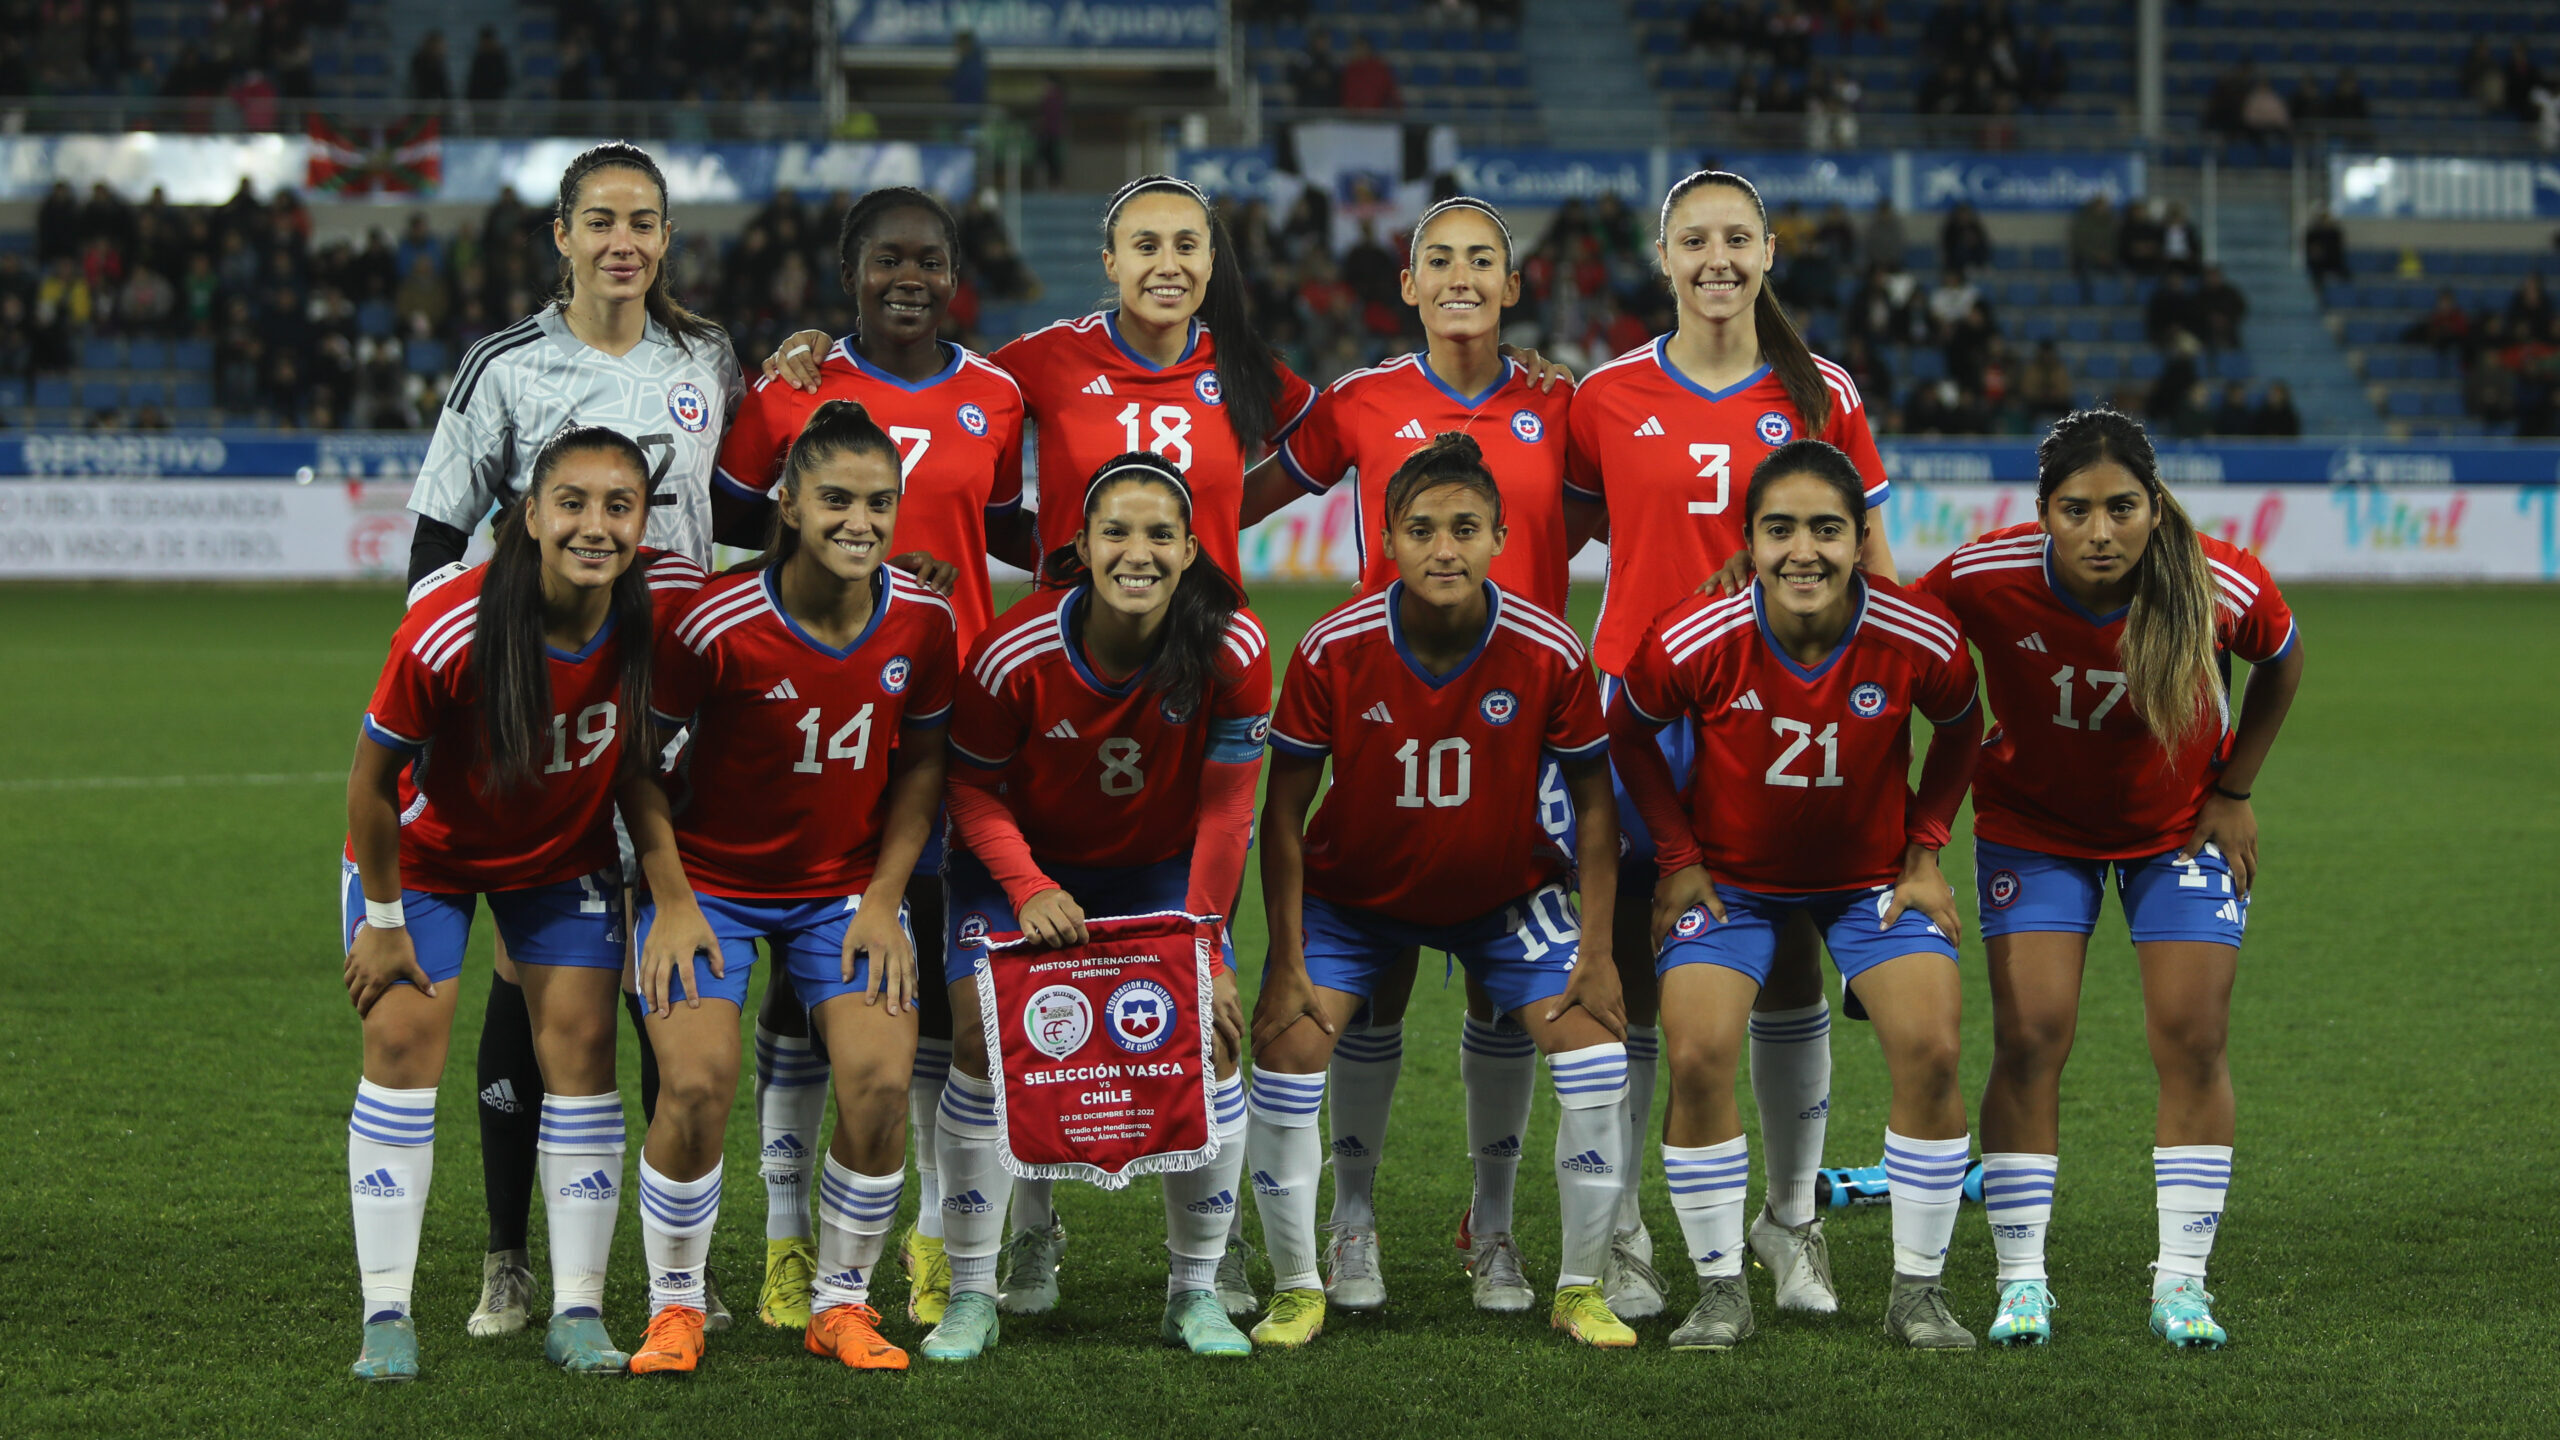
(2070, 768)
(1368, 421)
(1671, 459)
(788, 764)
(959, 434)
(1092, 397)
(1434, 776)
(1803, 775)
(1097, 775)
(453, 839)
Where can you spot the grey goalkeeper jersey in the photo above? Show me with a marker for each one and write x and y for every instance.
(526, 383)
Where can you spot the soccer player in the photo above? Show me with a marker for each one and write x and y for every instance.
(814, 688)
(957, 420)
(2106, 628)
(1436, 700)
(490, 757)
(1801, 691)
(1460, 277)
(1106, 743)
(615, 349)
(1663, 436)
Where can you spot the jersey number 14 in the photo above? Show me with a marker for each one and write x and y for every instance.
(852, 741)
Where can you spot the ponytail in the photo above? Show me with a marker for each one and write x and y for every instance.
(1451, 457)
(2168, 649)
(1782, 347)
(839, 427)
(508, 655)
(661, 303)
(1191, 653)
(1248, 373)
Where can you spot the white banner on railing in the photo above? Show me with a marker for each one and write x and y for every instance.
(204, 530)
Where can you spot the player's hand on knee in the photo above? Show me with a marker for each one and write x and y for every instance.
(1287, 997)
(939, 576)
(1053, 918)
(892, 975)
(797, 359)
(1594, 987)
(678, 938)
(1683, 890)
(1226, 1016)
(380, 959)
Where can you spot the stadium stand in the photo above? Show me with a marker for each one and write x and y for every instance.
(2452, 343)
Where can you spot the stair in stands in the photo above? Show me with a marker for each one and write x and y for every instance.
(2284, 329)
(1589, 78)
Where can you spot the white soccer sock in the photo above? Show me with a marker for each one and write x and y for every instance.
(1498, 1065)
(1644, 1062)
(2017, 1194)
(791, 1106)
(2191, 1182)
(1791, 1080)
(1200, 1204)
(973, 1188)
(1708, 1183)
(1032, 1209)
(1927, 1177)
(391, 1154)
(854, 1214)
(676, 1218)
(581, 1149)
(1361, 1084)
(924, 1097)
(1287, 1155)
(1591, 1136)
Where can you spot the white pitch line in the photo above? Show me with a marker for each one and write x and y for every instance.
(169, 782)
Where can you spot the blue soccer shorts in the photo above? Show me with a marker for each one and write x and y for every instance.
(2164, 899)
(808, 934)
(1639, 864)
(576, 922)
(978, 907)
(1747, 938)
(1520, 953)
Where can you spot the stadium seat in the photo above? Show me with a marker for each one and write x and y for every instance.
(424, 357)
(147, 355)
(192, 395)
(53, 392)
(2145, 365)
(101, 395)
(191, 355)
(101, 354)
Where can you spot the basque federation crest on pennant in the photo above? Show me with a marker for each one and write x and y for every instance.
(690, 407)
(1206, 386)
(2004, 889)
(1527, 425)
(1057, 1021)
(1141, 1016)
(1498, 707)
(1867, 700)
(893, 676)
(1775, 428)
(973, 419)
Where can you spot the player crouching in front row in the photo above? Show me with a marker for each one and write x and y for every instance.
(816, 687)
(1802, 690)
(1435, 699)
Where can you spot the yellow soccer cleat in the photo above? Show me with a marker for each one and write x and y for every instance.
(1297, 1316)
(851, 1333)
(928, 1277)
(789, 1266)
(673, 1345)
(1582, 1314)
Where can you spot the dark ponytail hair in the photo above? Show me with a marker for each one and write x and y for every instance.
(1821, 460)
(1191, 655)
(1248, 373)
(1782, 349)
(1451, 457)
(2170, 658)
(508, 655)
(839, 427)
(663, 307)
(862, 214)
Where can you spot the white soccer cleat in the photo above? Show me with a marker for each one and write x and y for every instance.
(1027, 1271)
(506, 1294)
(1799, 1260)
(1500, 1282)
(1352, 1281)
(1627, 1279)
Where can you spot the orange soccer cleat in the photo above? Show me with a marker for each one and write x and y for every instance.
(851, 1333)
(673, 1345)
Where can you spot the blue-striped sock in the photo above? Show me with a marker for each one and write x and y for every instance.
(791, 1106)
(1708, 1183)
(1286, 1155)
(924, 1097)
(1644, 1058)
(1791, 1082)
(973, 1182)
(2192, 1182)
(1927, 1177)
(1359, 1089)
(1498, 1066)
(581, 1148)
(854, 1214)
(676, 1218)
(1591, 1156)
(1200, 1205)
(2017, 1194)
(391, 1155)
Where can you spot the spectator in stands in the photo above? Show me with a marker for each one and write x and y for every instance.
(57, 224)
(2324, 247)
(1941, 409)
(1888, 308)
(491, 75)
(2141, 237)
(2093, 243)
(1831, 110)
(2044, 388)
(2546, 116)
(2277, 419)
(1787, 37)
(2173, 319)
(1315, 78)
(1950, 302)
(2521, 77)
(2446, 327)
(429, 77)
(1945, 92)
(968, 83)
(2235, 415)
(1369, 82)
(2263, 115)
(2171, 404)
(1450, 14)
(1867, 369)
(1963, 243)
(2482, 80)
(1969, 346)
(1883, 242)
(2223, 308)
(2222, 104)
(2181, 248)
(2044, 71)
(1716, 30)
(1837, 236)
(1049, 131)
(2529, 311)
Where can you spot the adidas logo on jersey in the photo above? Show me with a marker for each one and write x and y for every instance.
(786, 1147)
(1101, 386)
(1588, 1163)
(1750, 700)
(1349, 1147)
(2035, 642)
(597, 1185)
(1506, 1148)
(783, 691)
(1652, 426)
(1412, 431)
(1221, 1203)
(1063, 730)
(1263, 1184)
(1378, 712)
(968, 1202)
(380, 1186)
(500, 1095)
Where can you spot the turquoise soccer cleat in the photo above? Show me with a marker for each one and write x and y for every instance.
(2025, 1316)
(390, 1350)
(968, 1330)
(1197, 1320)
(579, 1345)
(2184, 1317)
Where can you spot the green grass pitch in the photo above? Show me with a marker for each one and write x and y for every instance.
(176, 1061)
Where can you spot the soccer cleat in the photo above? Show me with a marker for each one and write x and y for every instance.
(578, 1344)
(2025, 1316)
(1195, 1319)
(1499, 1282)
(715, 1311)
(1582, 1314)
(1351, 1279)
(1027, 1271)
(1720, 1320)
(928, 1277)
(673, 1345)
(2184, 1317)
(1235, 1280)
(851, 1333)
(1918, 1317)
(1297, 1316)
(1799, 1260)
(1628, 1280)
(506, 1294)
(968, 1330)
(789, 1265)
(390, 1350)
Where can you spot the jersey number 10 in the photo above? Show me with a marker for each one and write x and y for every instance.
(1450, 779)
